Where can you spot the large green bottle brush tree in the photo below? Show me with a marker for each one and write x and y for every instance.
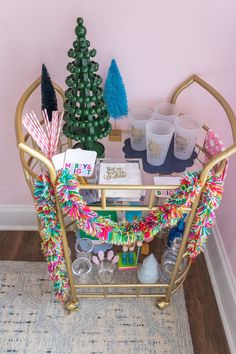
(86, 116)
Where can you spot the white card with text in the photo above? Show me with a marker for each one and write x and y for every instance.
(58, 160)
(166, 180)
(77, 161)
(80, 162)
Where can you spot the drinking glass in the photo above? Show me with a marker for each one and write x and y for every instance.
(105, 272)
(138, 118)
(158, 137)
(84, 247)
(166, 111)
(187, 130)
(81, 267)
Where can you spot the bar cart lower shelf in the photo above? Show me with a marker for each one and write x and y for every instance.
(32, 160)
(127, 285)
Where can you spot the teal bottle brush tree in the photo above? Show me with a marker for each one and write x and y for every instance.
(86, 116)
(115, 98)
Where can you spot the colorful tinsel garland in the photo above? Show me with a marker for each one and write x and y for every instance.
(75, 207)
(52, 247)
(164, 216)
(103, 228)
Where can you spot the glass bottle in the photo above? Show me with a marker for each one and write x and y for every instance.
(169, 258)
(176, 231)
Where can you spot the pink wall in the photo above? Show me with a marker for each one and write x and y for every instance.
(156, 44)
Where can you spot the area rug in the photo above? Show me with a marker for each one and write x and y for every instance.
(31, 321)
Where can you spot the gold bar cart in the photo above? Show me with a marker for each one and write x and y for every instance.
(32, 159)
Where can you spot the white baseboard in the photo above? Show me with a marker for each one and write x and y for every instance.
(17, 217)
(224, 284)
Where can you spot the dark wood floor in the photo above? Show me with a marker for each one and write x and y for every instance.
(205, 322)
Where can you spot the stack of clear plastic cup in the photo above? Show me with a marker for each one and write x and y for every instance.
(187, 130)
(138, 118)
(158, 137)
(166, 111)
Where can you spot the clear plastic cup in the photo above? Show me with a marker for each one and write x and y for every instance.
(84, 248)
(138, 118)
(166, 111)
(158, 137)
(81, 267)
(187, 130)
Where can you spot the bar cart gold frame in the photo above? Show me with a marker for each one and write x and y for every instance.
(31, 157)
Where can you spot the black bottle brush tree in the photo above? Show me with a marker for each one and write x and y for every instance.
(48, 94)
(86, 117)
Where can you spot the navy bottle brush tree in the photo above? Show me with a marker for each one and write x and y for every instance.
(115, 98)
(48, 94)
(86, 116)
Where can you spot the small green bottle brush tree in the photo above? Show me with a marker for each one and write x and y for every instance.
(86, 116)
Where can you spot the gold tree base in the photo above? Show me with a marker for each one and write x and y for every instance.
(115, 135)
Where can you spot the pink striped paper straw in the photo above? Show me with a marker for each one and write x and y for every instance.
(40, 128)
(35, 136)
(40, 131)
(54, 127)
(47, 123)
(30, 125)
(60, 121)
(46, 140)
(33, 126)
